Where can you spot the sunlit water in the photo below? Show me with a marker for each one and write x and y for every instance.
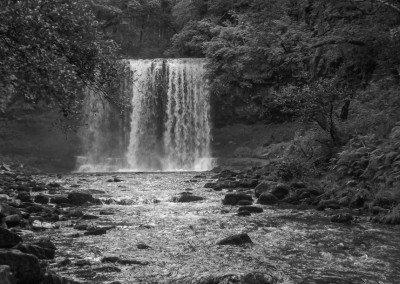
(300, 245)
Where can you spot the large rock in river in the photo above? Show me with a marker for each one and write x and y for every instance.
(267, 199)
(280, 190)
(25, 267)
(236, 240)
(79, 198)
(8, 239)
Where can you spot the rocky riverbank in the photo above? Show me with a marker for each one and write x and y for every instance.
(78, 229)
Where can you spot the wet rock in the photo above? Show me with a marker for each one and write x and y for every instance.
(39, 252)
(64, 262)
(8, 239)
(95, 232)
(23, 187)
(252, 209)
(112, 259)
(234, 198)
(6, 277)
(226, 184)
(13, 220)
(82, 262)
(244, 202)
(212, 185)
(142, 246)
(89, 217)
(52, 278)
(115, 259)
(132, 262)
(42, 199)
(267, 199)
(24, 197)
(280, 191)
(236, 240)
(248, 183)
(6, 209)
(325, 204)
(342, 218)
(26, 267)
(4, 198)
(186, 197)
(74, 213)
(60, 199)
(38, 188)
(79, 198)
(127, 201)
(106, 212)
(263, 187)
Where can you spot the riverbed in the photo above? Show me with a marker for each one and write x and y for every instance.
(169, 240)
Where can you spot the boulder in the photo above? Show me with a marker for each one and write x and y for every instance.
(252, 209)
(60, 199)
(221, 184)
(186, 197)
(263, 187)
(267, 199)
(210, 185)
(39, 252)
(24, 197)
(236, 240)
(25, 267)
(248, 183)
(6, 210)
(234, 198)
(42, 199)
(6, 277)
(8, 239)
(280, 191)
(79, 198)
(95, 232)
(13, 220)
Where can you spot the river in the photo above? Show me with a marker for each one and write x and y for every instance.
(298, 246)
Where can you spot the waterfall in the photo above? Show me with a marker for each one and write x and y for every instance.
(168, 128)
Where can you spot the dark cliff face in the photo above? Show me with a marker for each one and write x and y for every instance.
(143, 29)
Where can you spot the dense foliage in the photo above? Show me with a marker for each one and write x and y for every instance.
(284, 55)
(50, 50)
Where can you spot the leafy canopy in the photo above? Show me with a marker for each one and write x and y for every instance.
(50, 50)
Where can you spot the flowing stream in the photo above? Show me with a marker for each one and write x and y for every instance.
(300, 246)
(168, 128)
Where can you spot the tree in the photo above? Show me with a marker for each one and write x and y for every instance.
(50, 50)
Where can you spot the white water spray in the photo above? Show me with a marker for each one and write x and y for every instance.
(169, 127)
